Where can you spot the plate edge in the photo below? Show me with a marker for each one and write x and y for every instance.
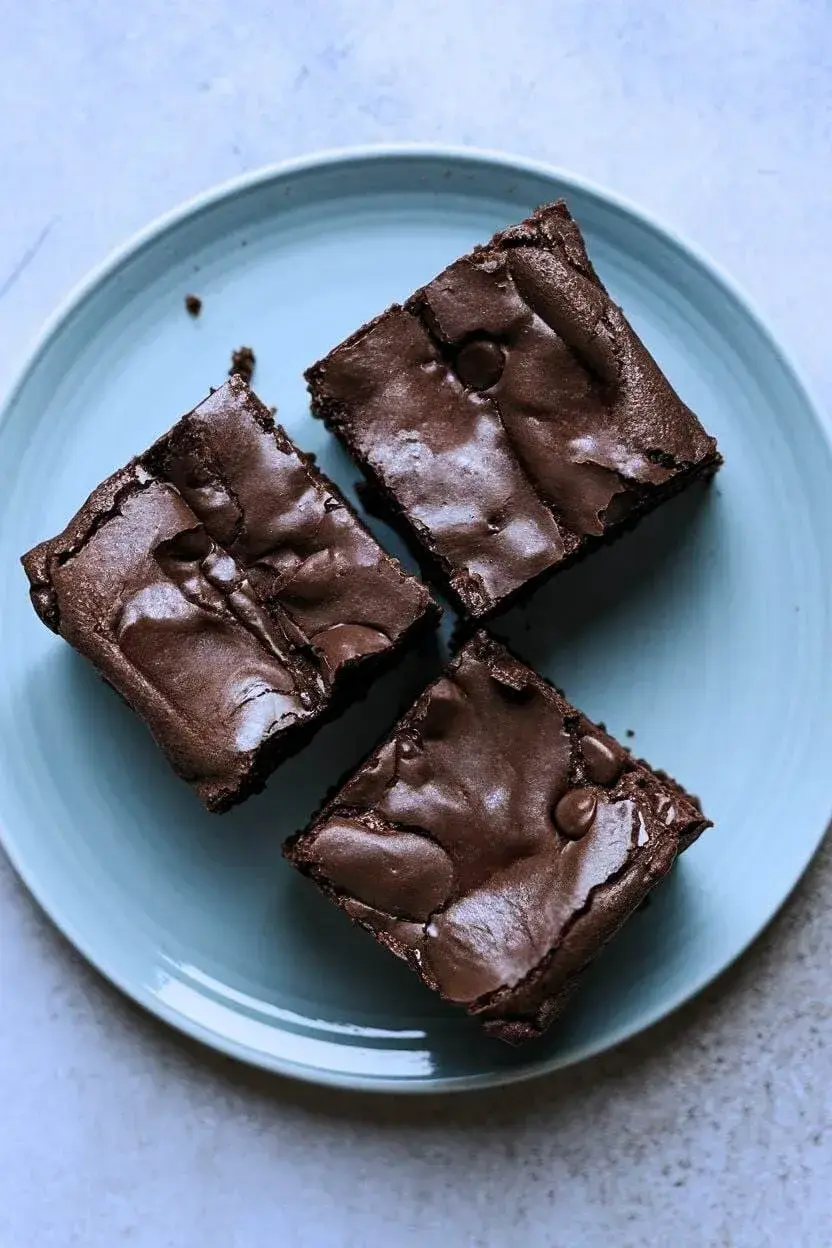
(333, 158)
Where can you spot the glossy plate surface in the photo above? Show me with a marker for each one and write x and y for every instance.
(705, 632)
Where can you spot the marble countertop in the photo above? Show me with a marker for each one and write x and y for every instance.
(714, 1128)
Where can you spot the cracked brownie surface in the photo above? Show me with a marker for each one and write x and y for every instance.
(508, 417)
(225, 588)
(497, 840)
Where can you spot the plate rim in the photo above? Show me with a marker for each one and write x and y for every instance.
(334, 158)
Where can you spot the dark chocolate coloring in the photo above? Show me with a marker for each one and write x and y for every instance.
(497, 840)
(225, 588)
(508, 417)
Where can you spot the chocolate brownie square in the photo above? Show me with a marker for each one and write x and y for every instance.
(497, 840)
(226, 589)
(508, 418)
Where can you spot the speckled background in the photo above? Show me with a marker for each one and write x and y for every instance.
(714, 1128)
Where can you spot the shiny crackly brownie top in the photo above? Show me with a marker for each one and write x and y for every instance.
(222, 586)
(510, 410)
(494, 818)
(283, 522)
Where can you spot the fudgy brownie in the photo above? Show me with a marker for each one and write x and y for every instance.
(497, 840)
(508, 418)
(225, 588)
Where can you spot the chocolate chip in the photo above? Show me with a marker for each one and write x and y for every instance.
(604, 759)
(575, 812)
(193, 305)
(394, 870)
(479, 364)
(221, 570)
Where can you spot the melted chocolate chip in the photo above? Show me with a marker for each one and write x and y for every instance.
(575, 812)
(479, 364)
(604, 759)
(221, 570)
(394, 870)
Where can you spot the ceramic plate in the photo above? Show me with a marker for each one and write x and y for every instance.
(705, 632)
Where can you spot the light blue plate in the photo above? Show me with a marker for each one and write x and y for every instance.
(706, 631)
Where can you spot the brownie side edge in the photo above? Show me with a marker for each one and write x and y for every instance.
(102, 503)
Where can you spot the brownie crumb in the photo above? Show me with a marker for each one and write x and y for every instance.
(242, 363)
(629, 732)
(193, 305)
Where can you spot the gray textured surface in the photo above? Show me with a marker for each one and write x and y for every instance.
(713, 1129)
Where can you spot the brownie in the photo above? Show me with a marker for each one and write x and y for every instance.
(225, 588)
(496, 840)
(508, 418)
